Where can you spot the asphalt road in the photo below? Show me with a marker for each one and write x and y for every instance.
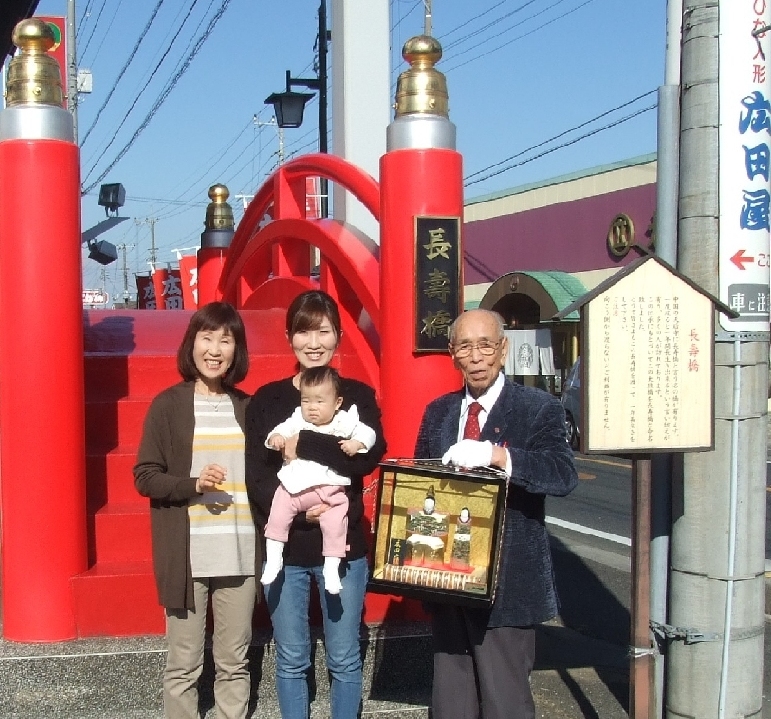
(602, 500)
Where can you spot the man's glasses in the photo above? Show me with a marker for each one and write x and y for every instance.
(485, 348)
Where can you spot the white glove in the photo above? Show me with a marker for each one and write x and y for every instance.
(469, 453)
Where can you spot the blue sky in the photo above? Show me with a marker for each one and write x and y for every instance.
(519, 72)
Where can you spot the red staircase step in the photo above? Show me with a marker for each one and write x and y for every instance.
(117, 599)
(122, 532)
(110, 477)
(115, 422)
(139, 375)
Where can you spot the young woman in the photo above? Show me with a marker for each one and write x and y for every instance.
(191, 465)
(313, 331)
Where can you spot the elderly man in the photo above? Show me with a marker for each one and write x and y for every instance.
(483, 657)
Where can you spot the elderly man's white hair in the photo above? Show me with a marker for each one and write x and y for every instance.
(498, 320)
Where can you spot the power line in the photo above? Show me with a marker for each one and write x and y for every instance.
(93, 29)
(564, 144)
(474, 33)
(519, 37)
(471, 19)
(144, 87)
(123, 69)
(165, 93)
(85, 16)
(106, 33)
(561, 134)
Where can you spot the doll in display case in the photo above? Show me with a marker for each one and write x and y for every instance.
(427, 531)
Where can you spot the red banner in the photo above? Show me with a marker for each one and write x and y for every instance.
(188, 270)
(59, 50)
(145, 292)
(168, 289)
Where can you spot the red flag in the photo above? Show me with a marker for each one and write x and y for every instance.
(145, 292)
(188, 270)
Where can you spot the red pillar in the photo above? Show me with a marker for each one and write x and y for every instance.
(211, 260)
(412, 183)
(42, 436)
(421, 176)
(215, 241)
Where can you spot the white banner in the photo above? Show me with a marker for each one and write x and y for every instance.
(530, 352)
(744, 160)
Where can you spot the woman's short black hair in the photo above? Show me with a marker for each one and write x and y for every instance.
(314, 376)
(308, 311)
(212, 317)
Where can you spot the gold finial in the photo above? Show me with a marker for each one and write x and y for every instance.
(219, 213)
(33, 75)
(422, 88)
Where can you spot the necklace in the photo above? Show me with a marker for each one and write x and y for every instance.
(214, 406)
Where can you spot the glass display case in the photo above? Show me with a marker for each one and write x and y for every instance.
(438, 532)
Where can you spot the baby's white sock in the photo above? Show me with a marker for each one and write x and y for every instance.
(331, 574)
(274, 560)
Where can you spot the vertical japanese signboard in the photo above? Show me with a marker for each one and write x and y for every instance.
(745, 157)
(145, 292)
(437, 281)
(167, 284)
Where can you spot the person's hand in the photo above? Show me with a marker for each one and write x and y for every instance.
(469, 453)
(211, 477)
(351, 446)
(277, 441)
(290, 448)
(313, 514)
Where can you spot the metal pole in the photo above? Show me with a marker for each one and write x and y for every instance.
(72, 67)
(717, 579)
(153, 253)
(640, 670)
(668, 168)
(323, 185)
(427, 17)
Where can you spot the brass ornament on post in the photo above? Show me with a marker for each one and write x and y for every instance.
(620, 235)
(219, 213)
(33, 75)
(422, 89)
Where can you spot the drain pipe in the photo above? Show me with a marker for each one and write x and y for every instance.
(732, 510)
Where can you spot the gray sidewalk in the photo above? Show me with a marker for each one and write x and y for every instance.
(576, 676)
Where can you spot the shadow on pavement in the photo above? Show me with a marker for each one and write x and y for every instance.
(596, 627)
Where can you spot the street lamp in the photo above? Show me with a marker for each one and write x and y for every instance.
(288, 106)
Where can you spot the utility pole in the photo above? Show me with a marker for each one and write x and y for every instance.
(667, 173)
(126, 293)
(323, 49)
(151, 222)
(72, 67)
(272, 123)
(717, 585)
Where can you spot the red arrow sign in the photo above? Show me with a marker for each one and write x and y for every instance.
(739, 259)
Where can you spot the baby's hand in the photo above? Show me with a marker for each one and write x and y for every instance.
(277, 442)
(351, 446)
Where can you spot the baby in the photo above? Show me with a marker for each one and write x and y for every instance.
(306, 484)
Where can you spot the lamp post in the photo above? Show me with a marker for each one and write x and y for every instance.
(289, 105)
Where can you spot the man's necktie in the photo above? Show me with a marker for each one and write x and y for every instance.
(471, 430)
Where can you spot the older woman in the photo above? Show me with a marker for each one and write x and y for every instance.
(313, 331)
(191, 466)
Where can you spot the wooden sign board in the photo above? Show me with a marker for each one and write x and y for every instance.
(647, 365)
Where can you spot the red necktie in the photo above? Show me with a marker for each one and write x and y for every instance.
(471, 430)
